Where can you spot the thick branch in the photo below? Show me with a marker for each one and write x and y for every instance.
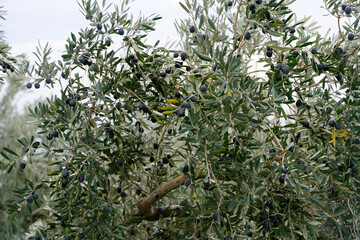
(145, 204)
(154, 214)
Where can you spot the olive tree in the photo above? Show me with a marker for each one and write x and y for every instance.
(6, 60)
(12, 126)
(193, 141)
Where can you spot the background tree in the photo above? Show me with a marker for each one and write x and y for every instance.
(13, 125)
(192, 142)
(6, 60)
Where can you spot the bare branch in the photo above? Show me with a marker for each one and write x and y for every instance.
(145, 204)
(172, 210)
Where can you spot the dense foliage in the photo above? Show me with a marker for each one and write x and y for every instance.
(150, 142)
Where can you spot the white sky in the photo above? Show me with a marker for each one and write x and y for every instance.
(30, 21)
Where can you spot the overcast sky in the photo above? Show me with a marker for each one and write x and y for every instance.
(30, 21)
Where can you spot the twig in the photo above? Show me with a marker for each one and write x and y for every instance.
(236, 18)
(277, 140)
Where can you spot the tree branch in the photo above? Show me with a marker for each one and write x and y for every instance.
(145, 204)
(172, 210)
(152, 214)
